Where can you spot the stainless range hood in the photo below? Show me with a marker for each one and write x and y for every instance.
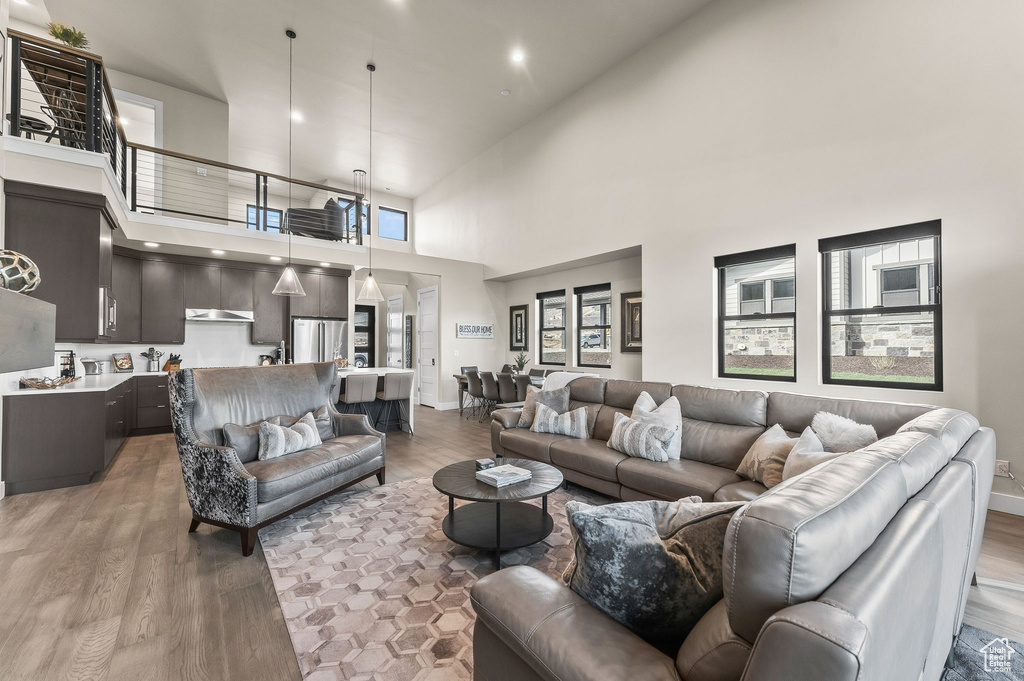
(202, 315)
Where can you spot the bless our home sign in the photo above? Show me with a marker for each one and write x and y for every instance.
(474, 330)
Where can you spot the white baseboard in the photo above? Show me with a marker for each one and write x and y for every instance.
(1007, 503)
(446, 406)
(3, 489)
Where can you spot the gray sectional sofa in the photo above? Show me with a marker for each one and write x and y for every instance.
(244, 496)
(857, 569)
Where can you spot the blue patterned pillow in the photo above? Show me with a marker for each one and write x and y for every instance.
(653, 566)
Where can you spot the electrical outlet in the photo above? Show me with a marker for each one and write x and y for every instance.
(201, 172)
(1002, 468)
(456, 353)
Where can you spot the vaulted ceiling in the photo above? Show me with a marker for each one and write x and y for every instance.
(441, 68)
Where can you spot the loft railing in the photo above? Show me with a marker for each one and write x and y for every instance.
(179, 185)
(61, 95)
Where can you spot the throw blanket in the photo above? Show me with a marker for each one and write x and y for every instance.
(560, 379)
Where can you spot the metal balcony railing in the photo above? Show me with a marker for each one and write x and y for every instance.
(61, 95)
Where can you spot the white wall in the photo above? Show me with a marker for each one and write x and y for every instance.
(757, 124)
(625, 277)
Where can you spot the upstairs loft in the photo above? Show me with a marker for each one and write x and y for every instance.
(61, 107)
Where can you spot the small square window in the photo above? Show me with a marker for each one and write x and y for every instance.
(392, 224)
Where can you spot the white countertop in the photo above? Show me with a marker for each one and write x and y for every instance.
(94, 383)
(380, 371)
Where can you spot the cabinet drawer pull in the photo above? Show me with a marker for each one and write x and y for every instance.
(161, 406)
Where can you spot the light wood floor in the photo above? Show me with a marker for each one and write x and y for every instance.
(103, 582)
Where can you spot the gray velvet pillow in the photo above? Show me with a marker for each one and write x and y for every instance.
(245, 440)
(555, 399)
(653, 566)
(277, 441)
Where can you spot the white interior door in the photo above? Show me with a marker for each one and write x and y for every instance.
(395, 317)
(426, 304)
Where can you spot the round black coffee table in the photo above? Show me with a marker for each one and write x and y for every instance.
(500, 520)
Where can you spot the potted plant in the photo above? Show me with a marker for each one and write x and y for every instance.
(521, 361)
(69, 35)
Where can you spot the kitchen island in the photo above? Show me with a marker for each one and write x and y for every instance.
(375, 408)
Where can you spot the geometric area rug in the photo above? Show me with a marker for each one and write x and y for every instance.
(981, 655)
(372, 590)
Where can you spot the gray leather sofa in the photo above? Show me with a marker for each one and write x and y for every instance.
(857, 569)
(245, 496)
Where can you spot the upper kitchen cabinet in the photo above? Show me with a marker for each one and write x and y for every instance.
(269, 325)
(202, 287)
(127, 290)
(326, 296)
(309, 304)
(69, 235)
(333, 296)
(163, 302)
(236, 289)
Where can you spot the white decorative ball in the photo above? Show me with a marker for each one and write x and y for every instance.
(18, 273)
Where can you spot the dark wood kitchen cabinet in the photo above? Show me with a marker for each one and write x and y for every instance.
(126, 287)
(163, 302)
(236, 289)
(309, 304)
(203, 287)
(152, 405)
(333, 296)
(269, 325)
(69, 235)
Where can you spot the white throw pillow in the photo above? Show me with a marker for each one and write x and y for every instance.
(840, 434)
(572, 423)
(641, 440)
(668, 415)
(766, 458)
(277, 441)
(807, 453)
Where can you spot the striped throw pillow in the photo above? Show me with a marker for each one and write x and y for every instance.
(642, 440)
(572, 423)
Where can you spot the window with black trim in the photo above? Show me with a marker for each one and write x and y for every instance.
(264, 219)
(757, 314)
(392, 224)
(594, 325)
(882, 322)
(551, 325)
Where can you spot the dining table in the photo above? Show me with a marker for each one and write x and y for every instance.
(464, 387)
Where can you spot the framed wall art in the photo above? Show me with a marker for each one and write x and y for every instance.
(632, 322)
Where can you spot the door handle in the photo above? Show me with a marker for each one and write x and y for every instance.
(433, 362)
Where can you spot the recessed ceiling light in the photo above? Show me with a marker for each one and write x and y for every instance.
(275, 258)
(123, 121)
(151, 244)
(325, 264)
(506, 93)
(297, 116)
(518, 56)
(217, 251)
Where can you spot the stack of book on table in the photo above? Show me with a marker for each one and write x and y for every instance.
(502, 476)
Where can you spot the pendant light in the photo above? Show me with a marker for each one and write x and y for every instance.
(289, 284)
(370, 291)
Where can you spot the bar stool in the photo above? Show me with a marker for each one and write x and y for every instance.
(491, 394)
(360, 390)
(523, 383)
(397, 389)
(475, 389)
(506, 388)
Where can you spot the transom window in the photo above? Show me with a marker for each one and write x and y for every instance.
(594, 325)
(392, 224)
(757, 314)
(551, 306)
(882, 322)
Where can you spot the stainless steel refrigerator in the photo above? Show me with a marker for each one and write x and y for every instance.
(318, 340)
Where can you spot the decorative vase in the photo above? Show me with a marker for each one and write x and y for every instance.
(18, 273)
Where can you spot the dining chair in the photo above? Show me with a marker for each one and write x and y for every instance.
(475, 390)
(490, 394)
(523, 382)
(506, 388)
